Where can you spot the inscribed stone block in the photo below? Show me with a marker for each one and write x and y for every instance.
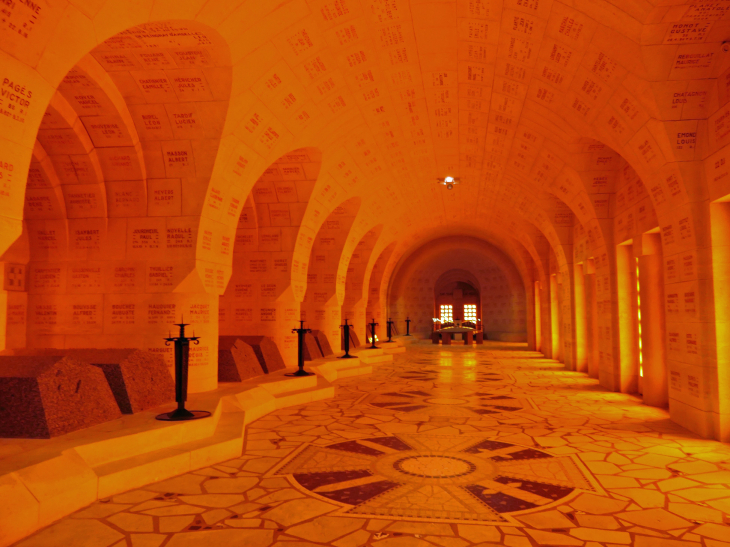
(237, 360)
(266, 351)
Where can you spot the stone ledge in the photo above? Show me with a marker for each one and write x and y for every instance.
(59, 476)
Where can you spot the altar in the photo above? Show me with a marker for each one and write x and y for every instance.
(457, 333)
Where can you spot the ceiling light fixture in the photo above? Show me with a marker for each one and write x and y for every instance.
(449, 182)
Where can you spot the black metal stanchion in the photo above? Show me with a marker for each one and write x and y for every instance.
(390, 331)
(346, 333)
(301, 331)
(408, 326)
(372, 333)
(182, 354)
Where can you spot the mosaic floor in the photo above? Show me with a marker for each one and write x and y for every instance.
(453, 447)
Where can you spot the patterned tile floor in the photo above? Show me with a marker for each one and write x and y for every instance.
(452, 447)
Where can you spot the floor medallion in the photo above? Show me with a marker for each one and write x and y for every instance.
(462, 478)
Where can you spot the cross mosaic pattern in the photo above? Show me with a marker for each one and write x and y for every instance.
(448, 478)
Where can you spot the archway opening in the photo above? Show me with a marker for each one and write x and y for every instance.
(457, 300)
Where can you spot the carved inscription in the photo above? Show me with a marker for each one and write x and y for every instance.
(14, 96)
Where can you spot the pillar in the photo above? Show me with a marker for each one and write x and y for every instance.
(581, 362)
(555, 317)
(653, 324)
(628, 339)
(538, 317)
(591, 319)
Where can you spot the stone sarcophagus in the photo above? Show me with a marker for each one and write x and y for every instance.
(45, 396)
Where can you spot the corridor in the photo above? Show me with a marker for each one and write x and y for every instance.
(443, 447)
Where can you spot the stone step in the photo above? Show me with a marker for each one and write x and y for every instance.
(128, 473)
(375, 357)
(324, 390)
(394, 349)
(335, 368)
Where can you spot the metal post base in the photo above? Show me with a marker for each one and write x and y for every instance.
(182, 414)
(300, 373)
(347, 357)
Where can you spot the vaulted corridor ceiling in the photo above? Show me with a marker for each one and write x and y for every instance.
(246, 165)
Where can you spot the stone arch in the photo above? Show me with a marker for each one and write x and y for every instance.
(356, 285)
(122, 158)
(259, 299)
(321, 307)
(412, 284)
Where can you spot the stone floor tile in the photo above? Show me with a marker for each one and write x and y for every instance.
(603, 468)
(677, 483)
(175, 524)
(326, 529)
(174, 510)
(184, 484)
(405, 541)
(551, 539)
(274, 483)
(293, 512)
(613, 481)
(223, 538)
(215, 515)
(721, 505)
(279, 495)
(702, 494)
(135, 496)
(446, 541)
(213, 500)
(713, 531)
(361, 537)
(605, 536)
(643, 497)
(655, 460)
(229, 485)
(716, 477)
(695, 467)
(132, 522)
(603, 522)
(375, 525)
(648, 474)
(100, 510)
(259, 465)
(147, 540)
(479, 533)
(153, 504)
(649, 541)
(547, 520)
(699, 513)
(597, 505)
(421, 528)
(657, 519)
(213, 472)
(517, 541)
(244, 523)
(644, 531)
(73, 532)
